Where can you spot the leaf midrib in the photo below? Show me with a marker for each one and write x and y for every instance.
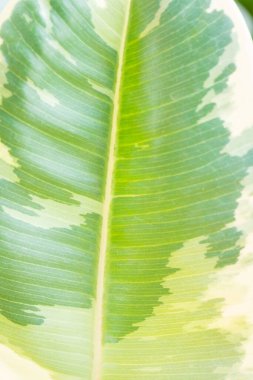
(99, 302)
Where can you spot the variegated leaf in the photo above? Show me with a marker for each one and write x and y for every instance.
(126, 168)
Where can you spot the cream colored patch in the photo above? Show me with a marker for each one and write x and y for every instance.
(108, 20)
(6, 13)
(7, 172)
(234, 285)
(157, 18)
(55, 214)
(101, 89)
(44, 95)
(101, 3)
(6, 156)
(8, 163)
(55, 44)
(234, 104)
(4, 92)
(16, 367)
(244, 212)
(27, 18)
(45, 9)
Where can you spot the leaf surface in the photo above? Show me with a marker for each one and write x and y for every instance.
(126, 190)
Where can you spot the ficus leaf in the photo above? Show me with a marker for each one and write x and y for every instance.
(126, 159)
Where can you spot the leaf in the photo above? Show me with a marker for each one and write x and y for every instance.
(247, 12)
(126, 190)
(247, 4)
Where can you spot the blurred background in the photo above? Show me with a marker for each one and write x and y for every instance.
(246, 7)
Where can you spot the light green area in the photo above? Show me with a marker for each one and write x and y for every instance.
(173, 224)
(60, 344)
(108, 19)
(52, 214)
(177, 340)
